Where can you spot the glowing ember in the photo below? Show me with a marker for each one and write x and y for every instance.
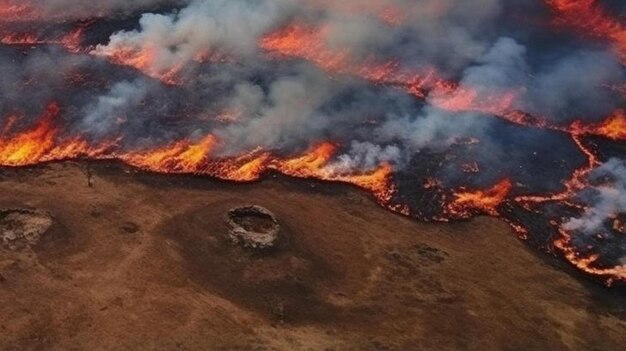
(70, 41)
(484, 201)
(590, 18)
(30, 146)
(587, 263)
(614, 127)
(180, 157)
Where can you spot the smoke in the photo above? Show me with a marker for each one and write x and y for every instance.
(112, 109)
(286, 116)
(446, 94)
(605, 201)
(366, 156)
(572, 87)
(62, 10)
(204, 28)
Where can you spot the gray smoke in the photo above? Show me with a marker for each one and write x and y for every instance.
(605, 201)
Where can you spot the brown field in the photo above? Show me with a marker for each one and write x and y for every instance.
(142, 261)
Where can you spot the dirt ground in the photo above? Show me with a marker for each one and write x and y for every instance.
(142, 261)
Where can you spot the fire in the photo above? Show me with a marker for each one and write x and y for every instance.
(310, 43)
(587, 263)
(619, 225)
(70, 41)
(44, 141)
(313, 165)
(470, 100)
(589, 17)
(143, 59)
(246, 168)
(30, 146)
(614, 127)
(180, 157)
(385, 11)
(42, 144)
(577, 182)
(11, 11)
(376, 181)
(485, 201)
(151, 61)
(310, 164)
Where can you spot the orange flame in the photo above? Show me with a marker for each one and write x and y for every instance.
(29, 147)
(310, 164)
(12, 11)
(41, 144)
(614, 127)
(485, 201)
(589, 17)
(179, 157)
(70, 41)
(310, 43)
(587, 263)
(143, 59)
(578, 180)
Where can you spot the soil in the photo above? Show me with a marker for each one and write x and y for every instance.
(254, 227)
(255, 222)
(143, 261)
(22, 228)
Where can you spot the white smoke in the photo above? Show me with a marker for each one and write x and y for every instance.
(202, 28)
(605, 201)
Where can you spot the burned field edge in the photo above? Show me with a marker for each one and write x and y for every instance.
(115, 169)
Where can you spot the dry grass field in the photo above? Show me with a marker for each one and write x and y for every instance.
(142, 261)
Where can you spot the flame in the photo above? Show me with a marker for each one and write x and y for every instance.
(12, 11)
(147, 59)
(485, 201)
(590, 18)
(613, 127)
(385, 12)
(470, 100)
(30, 146)
(179, 157)
(41, 144)
(70, 41)
(143, 59)
(587, 263)
(577, 182)
(310, 43)
(310, 164)
(313, 165)
(376, 181)
(245, 168)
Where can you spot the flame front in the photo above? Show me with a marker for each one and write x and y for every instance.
(30, 146)
(484, 201)
(590, 18)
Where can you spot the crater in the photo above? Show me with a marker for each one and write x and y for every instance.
(21, 229)
(253, 226)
